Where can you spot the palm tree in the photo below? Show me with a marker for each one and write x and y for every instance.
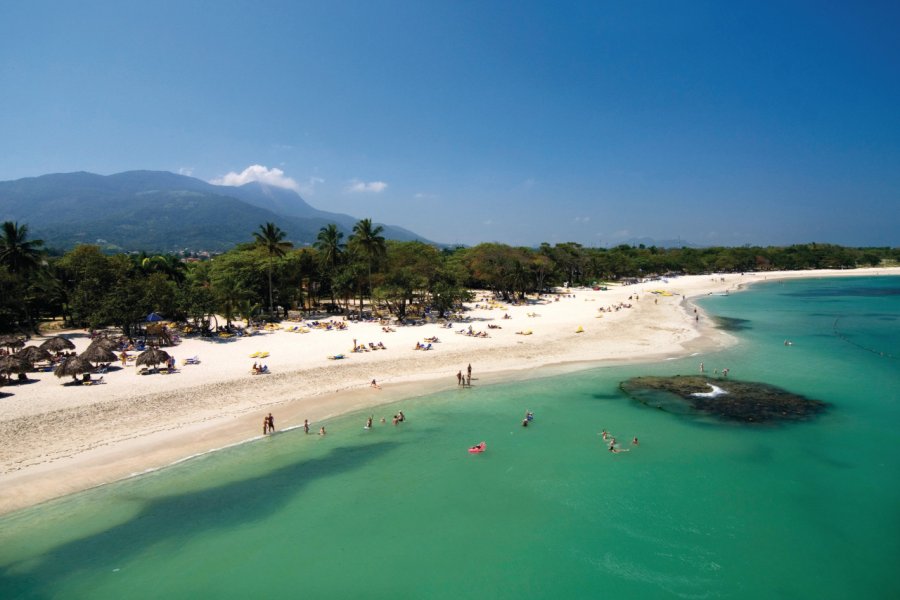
(370, 243)
(169, 265)
(230, 296)
(329, 244)
(271, 239)
(19, 254)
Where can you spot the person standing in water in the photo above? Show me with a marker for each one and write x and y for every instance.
(306, 425)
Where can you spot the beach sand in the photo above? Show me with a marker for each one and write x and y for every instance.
(57, 439)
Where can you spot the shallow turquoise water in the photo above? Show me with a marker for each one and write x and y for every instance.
(698, 510)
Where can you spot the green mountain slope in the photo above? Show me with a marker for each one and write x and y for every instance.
(160, 211)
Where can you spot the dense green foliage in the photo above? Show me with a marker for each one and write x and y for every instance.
(89, 288)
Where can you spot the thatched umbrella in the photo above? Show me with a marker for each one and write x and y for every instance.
(153, 356)
(105, 343)
(72, 366)
(13, 364)
(33, 354)
(11, 341)
(57, 344)
(96, 353)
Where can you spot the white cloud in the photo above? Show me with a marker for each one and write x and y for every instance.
(488, 222)
(582, 219)
(274, 177)
(366, 187)
(189, 171)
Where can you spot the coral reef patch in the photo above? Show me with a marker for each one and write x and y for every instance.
(725, 399)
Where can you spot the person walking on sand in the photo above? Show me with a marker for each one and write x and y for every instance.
(271, 420)
(459, 377)
(265, 425)
(469, 380)
(469, 372)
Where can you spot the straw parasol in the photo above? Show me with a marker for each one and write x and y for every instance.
(57, 344)
(105, 343)
(72, 366)
(13, 364)
(153, 356)
(11, 341)
(33, 354)
(96, 353)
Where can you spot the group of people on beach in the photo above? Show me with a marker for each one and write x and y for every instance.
(259, 369)
(464, 380)
(268, 424)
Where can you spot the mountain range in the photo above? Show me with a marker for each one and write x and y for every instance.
(158, 211)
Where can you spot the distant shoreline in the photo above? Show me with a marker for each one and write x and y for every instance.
(60, 440)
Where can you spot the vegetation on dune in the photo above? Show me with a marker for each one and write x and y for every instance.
(89, 288)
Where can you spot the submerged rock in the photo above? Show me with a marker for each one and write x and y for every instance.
(731, 323)
(726, 399)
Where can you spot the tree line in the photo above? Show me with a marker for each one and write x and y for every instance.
(267, 276)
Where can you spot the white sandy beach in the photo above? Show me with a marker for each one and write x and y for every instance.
(60, 439)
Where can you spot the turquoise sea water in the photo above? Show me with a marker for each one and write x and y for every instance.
(698, 510)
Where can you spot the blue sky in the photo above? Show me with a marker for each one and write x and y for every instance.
(520, 122)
